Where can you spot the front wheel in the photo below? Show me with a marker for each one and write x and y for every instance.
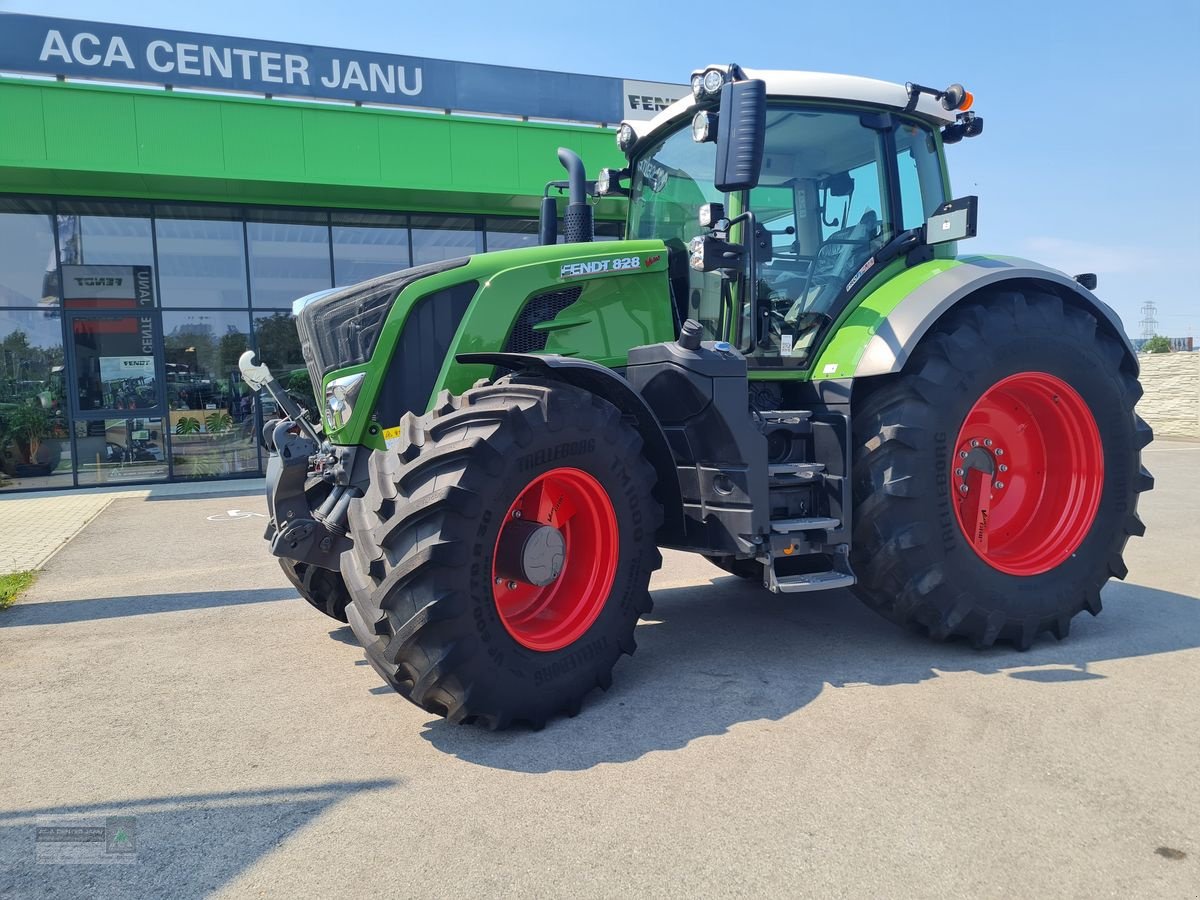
(996, 479)
(503, 551)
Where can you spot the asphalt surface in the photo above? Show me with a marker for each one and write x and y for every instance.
(162, 668)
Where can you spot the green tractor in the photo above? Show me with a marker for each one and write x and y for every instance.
(786, 367)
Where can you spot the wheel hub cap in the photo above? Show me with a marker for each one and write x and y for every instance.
(555, 559)
(530, 552)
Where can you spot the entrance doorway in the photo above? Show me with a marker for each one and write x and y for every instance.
(116, 382)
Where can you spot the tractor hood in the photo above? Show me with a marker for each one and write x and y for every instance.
(400, 332)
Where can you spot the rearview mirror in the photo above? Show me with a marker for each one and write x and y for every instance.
(741, 132)
(952, 221)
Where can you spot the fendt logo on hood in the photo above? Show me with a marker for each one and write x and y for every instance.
(600, 266)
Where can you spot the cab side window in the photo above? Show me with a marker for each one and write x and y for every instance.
(921, 187)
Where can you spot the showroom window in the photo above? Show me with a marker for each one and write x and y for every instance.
(436, 238)
(28, 273)
(201, 256)
(35, 443)
(509, 234)
(289, 256)
(121, 324)
(367, 245)
(210, 410)
(104, 233)
(278, 345)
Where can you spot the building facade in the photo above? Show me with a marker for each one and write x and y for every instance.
(149, 235)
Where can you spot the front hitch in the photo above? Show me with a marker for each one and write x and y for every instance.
(298, 531)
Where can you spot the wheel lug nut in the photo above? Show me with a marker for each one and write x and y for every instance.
(517, 514)
(959, 472)
(512, 585)
(974, 443)
(962, 454)
(999, 485)
(999, 451)
(987, 442)
(962, 488)
(1003, 468)
(499, 580)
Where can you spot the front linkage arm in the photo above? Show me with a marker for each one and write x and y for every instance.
(296, 530)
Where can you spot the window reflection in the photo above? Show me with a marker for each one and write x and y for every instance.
(210, 409)
(28, 274)
(201, 262)
(35, 445)
(100, 233)
(436, 238)
(509, 234)
(121, 450)
(278, 345)
(287, 261)
(367, 245)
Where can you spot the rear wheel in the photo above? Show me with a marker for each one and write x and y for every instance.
(996, 478)
(503, 551)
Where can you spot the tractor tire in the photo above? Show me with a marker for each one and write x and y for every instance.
(996, 478)
(452, 606)
(325, 590)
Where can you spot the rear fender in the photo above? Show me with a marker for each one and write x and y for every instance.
(604, 382)
(902, 328)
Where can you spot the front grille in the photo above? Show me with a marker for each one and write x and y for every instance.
(342, 329)
(542, 308)
(428, 332)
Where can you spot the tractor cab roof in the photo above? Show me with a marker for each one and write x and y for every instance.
(815, 86)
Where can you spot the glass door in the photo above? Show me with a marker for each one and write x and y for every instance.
(116, 382)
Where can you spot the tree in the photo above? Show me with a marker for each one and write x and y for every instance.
(1157, 344)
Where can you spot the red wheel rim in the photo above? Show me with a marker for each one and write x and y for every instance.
(1028, 472)
(557, 614)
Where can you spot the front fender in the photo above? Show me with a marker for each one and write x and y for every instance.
(606, 383)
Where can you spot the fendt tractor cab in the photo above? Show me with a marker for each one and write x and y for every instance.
(787, 367)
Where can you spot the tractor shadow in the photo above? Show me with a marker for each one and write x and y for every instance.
(712, 656)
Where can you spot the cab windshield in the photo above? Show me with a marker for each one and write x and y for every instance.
(824, 204)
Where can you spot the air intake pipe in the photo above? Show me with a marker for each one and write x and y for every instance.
(577, 221)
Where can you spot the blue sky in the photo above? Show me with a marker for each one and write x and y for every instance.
(1089, 156)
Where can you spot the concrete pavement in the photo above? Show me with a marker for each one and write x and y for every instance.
(36, 525)
(162, 668)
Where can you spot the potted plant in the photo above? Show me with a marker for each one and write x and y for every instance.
(27, 425)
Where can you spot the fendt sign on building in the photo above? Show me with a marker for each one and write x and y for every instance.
(96, 50)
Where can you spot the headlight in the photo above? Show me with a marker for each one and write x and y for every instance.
(340, 397)
(704, 127)
(697, 86)
(713, 79)
(626, 137)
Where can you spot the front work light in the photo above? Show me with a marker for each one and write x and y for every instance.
(697, 86)
(608, 183)
(626, 137)
(340, 397)
(704, 127)
(711, 214)
(713, 80)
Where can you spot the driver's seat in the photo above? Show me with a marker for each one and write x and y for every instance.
(836, 261)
